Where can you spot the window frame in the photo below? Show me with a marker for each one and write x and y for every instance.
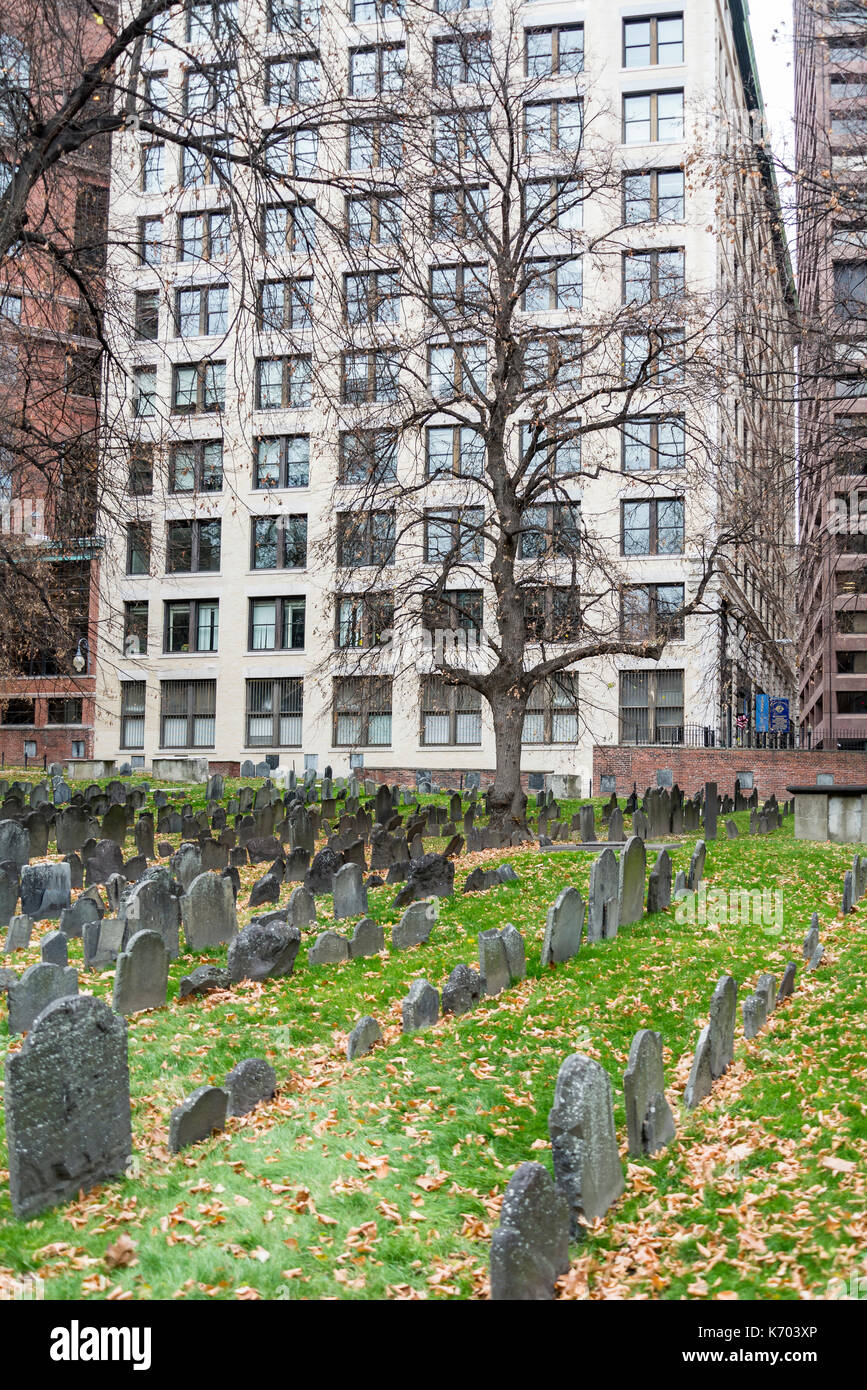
(138, 530)
(653, 117)
(653, 503)
(193, 687)
(289, 374)
(285, 606)
(131, 693)
(201, 405)
(543, 692)
(374, 616)
(134, 627)
(363, 523)
(204, 293)
(198, 448)
(368, 687)
(658, 627)
(654, 198)
(281, 531)
(191, 647)
(206, 217)
(555, 30)
(289, 687)
(653, 40)
(654, 421)
(195, 546)
(440, 699)
(467, 537)
(283, 441)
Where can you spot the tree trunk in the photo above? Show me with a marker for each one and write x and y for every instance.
(507, 800)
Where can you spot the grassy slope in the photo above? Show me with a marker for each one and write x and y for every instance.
(383, 1178)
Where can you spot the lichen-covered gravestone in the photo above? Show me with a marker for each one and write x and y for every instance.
(247, 1084)
(649, 1121)
(421, 1007)
(208, 909)
(415, 926)
(142, 974)
(698, 1087)
(530, 1247)
(196, 1118)
(46, 889)
(696, 866)
(350, 894)
(67, 1104)
(39, 986)
(263, 951)
(583, 1141)
(659, 883)
(363, 1036)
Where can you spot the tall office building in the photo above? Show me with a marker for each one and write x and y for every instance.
(830, 110)
(263, 381)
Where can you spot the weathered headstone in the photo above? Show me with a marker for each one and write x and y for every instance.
(414, 927)
(363, 1036)
(250, 1082)
(696, 866)
(14, 842)
(603, 898)
(723, 1012)
(530, 1247)
(583, 1141)
(141, 975)
(301, 911)
(350, 894)
(197, 1118)
(700, 1082)
(329, 948)
(493, 962)
(659, 883)
(649, 1121)
(368, 939)
(633, 863)
(208, 910)
(54, 948)
(787, 983)
(711, 807)
(421, 1007)
(39, 986)
(564, 925)
(19, 932)
(262, 951)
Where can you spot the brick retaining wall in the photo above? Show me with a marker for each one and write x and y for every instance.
(691, 767)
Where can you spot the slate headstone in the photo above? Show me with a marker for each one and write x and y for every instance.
(530, 1247)
(198, 1117)
(587, 1163)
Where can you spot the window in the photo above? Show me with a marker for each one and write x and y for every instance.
(450, 714)
(213, 19)
(379, 68)
(90, 233)
(652, 117)
(132, 714)
(287, 228)
(274, 713)
(191, 625)
(196, 466)
(552, 529)
(460, 135)
(210, 90)
(372, 297)
(282, 461)
(454, 535)
(453, 610)
(457, 289)
(158, 30)
(202, 169)
(305, 152)
(138, 547)
(375, 145)
(455, 449)
(459, 213)
(367, 11)
(152, 168)
(553, 125)
(654, 527)
(135, 629)
(278, 542)
(650, 611)
(557, 283)
(284, 16)
(285, 304)
(192, 546)
(363, 620)
(199, 388)
(368, 456)
(204, 236)
(654, 196)
(283, 383)
(556, 450)
(362, 711)
(147, 314)
(553, 52)
(552, 614)
(649, 275)
(552, 710)
(83, 371)
(276, 624)
(292, 81)
(10, 308)
(850, 289)
(155, 94)
(651, 706)
(19, 712)
(365, 538)
(653, 442)
(187, 714)
(150, 240)
(552, 363)
(654, 42)
(202, 312)
(141, 470)
(373, 221)
(555, 203)
(654, 357)
(370, 376)
(457, 371)
(466, 58)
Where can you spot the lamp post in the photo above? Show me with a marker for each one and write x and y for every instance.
(79, 661)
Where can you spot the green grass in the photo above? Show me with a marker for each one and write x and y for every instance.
(382, 1178)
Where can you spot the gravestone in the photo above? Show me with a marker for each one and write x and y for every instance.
(72, 919)
(72, 828)
(698, 1087)
(587, 1164)
(114, 825)
(630, 886)
(767, 985)
(603, 900)
(696, 866)
(141, 975)
(723, 1011)
(197, 1118)
(368, 939)
(102, 942)
(106, 859)
(364, 1035)
(421, 1007)
(329, 948)
(787, 983)
(262, 951)
(564, 925)
(320, 876)
(153, 905)
(811, 940)
(649, 1121)
(659, 883)
(587, 824)
(350, 894)
(8, 896)
(67, 1105)
(250, 1082)
(731, 830)
(208, 912)
(462, 990)
(301, 910)
(710, 810)
(203, 980)
(530, 1247)
(516, 958)
(265, 890)
(754, 1010)
(493, 963)
(615, 826)
(414, 927)
(39, 986)
(19, 932)
(14, 842)
(54, 948)
(186, 863)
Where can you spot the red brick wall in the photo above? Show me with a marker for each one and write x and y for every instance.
(692, 767)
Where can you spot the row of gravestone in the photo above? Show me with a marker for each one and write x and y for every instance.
(854, 884)
(530, 1247)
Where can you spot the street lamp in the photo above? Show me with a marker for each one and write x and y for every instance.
(79, 661)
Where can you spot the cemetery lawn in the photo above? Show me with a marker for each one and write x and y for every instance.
(382, 1178)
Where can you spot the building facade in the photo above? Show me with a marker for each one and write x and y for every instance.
(830, 94)
(49, 401)
(231, 601)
